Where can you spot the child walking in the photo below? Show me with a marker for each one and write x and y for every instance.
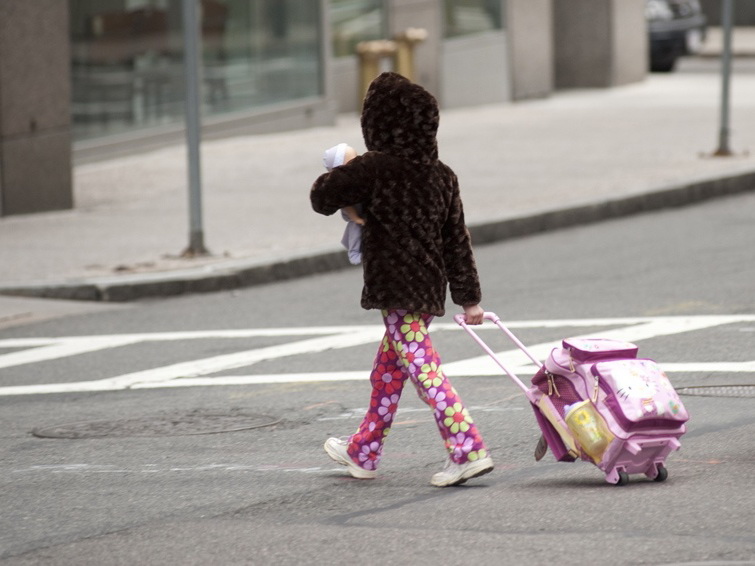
(415, 245)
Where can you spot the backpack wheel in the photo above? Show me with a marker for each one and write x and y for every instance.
(623, 478)
(662, 473)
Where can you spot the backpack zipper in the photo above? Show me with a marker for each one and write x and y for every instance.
(551, 384)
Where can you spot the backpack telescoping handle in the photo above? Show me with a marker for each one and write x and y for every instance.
(491, 316)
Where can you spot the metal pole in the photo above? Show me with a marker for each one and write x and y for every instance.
(193, 125)
(723, 135)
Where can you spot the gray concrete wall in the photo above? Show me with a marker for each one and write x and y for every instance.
(529, 28)
(425, 14)
(344, 71)
(35, 134)
(461, 71)
(629, 41)
(599, 43)
(475, 70)
(345, 80)
(401, 14)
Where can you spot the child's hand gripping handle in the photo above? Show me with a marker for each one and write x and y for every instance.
(461, 319)
(491, 316)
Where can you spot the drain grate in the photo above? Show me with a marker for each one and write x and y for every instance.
(718, 390)
(170, 424)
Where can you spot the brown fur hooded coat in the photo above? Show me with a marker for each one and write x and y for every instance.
(414, 241)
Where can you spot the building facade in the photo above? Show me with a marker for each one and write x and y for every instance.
(108, 79)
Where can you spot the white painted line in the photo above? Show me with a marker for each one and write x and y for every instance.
(201, 367)
(45, 349)
(48, 388)
(712, 320)
(529, 371)
(190, 373)
(152, 469)
(64, 348)
(710, 367)
(651, 328)
(273, 379)
(225, 362)
(361, 375)
(28, 342)
(268, 379)
(195, 335)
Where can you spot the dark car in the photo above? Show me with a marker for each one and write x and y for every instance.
(676, 28)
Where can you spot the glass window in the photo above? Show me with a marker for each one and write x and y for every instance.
(463, 17)
(127, 59)
(270, 52)
(352, 21)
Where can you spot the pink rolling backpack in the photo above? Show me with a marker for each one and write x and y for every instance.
(595, 400)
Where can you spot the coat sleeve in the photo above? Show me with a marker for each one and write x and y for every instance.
(461, 269)
(346, 185)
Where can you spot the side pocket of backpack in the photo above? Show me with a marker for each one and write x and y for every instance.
(556, 433)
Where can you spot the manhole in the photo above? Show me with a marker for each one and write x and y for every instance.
(171, 424)
(718, 390)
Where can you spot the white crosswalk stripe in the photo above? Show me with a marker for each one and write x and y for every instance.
(195, 373)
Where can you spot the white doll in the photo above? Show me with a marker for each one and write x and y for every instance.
(352, 236)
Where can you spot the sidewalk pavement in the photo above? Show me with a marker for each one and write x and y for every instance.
(576, 157)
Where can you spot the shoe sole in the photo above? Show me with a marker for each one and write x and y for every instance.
(462, 479)
(354, 470)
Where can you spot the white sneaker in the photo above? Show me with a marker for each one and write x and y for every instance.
(455, 474)
(337, 449)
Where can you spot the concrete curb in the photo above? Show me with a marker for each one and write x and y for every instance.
(224, 276)
(246, 273)
(588, 213)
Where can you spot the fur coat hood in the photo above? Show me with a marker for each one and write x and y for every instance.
(400, 118)
(415, 244)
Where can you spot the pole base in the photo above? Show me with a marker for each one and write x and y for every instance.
(190, 252)
(196, 246)
(723, 152)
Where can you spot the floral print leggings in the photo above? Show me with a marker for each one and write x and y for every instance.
(407, 352)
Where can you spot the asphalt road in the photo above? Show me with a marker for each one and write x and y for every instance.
(228, 468)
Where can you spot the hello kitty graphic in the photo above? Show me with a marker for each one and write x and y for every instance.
(648, 407)
(630, 382)
(635, 388)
